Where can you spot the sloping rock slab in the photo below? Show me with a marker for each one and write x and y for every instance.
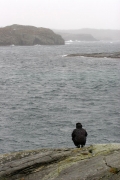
(90, 163)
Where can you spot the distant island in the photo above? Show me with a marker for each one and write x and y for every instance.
(20, 35)
(87, 34)
(78, 37)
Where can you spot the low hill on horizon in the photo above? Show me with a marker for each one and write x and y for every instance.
(98, 34)
(77, 37)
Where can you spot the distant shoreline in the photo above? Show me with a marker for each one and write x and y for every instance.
(97, 55)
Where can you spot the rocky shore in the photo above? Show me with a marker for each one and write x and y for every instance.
(20, 35)
(94, 162)
(97, 55)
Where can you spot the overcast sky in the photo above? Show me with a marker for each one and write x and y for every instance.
(61, 14)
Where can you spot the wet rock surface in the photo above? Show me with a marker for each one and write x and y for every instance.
(89, 163)
(97, 55)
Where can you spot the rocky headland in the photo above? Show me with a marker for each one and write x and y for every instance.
(78, 37)
(20, 35)
(99, 34)
(97, 55)
(94, 162)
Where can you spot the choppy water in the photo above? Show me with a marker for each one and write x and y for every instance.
(43, 94)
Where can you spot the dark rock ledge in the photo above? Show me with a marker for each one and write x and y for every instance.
(97, 55)
(95, 162)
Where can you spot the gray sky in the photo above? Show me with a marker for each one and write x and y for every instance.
(61, 14)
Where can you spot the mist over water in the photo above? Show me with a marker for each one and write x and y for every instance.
(43, 94)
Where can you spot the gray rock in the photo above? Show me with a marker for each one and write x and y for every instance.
(28, 35)
(97, 55)
(88, 163)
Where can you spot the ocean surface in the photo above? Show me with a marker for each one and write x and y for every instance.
(43, 94)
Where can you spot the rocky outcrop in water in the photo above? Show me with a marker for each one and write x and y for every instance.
(90, 163)
(97, 55)
(28, 35)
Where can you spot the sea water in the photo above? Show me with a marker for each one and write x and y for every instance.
(44, 93)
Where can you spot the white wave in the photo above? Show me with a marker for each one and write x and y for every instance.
(77, 41)
(70, 41)
(64, 55)
(67, 43)
(82, 56)
(37, 45)
(107, 42)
